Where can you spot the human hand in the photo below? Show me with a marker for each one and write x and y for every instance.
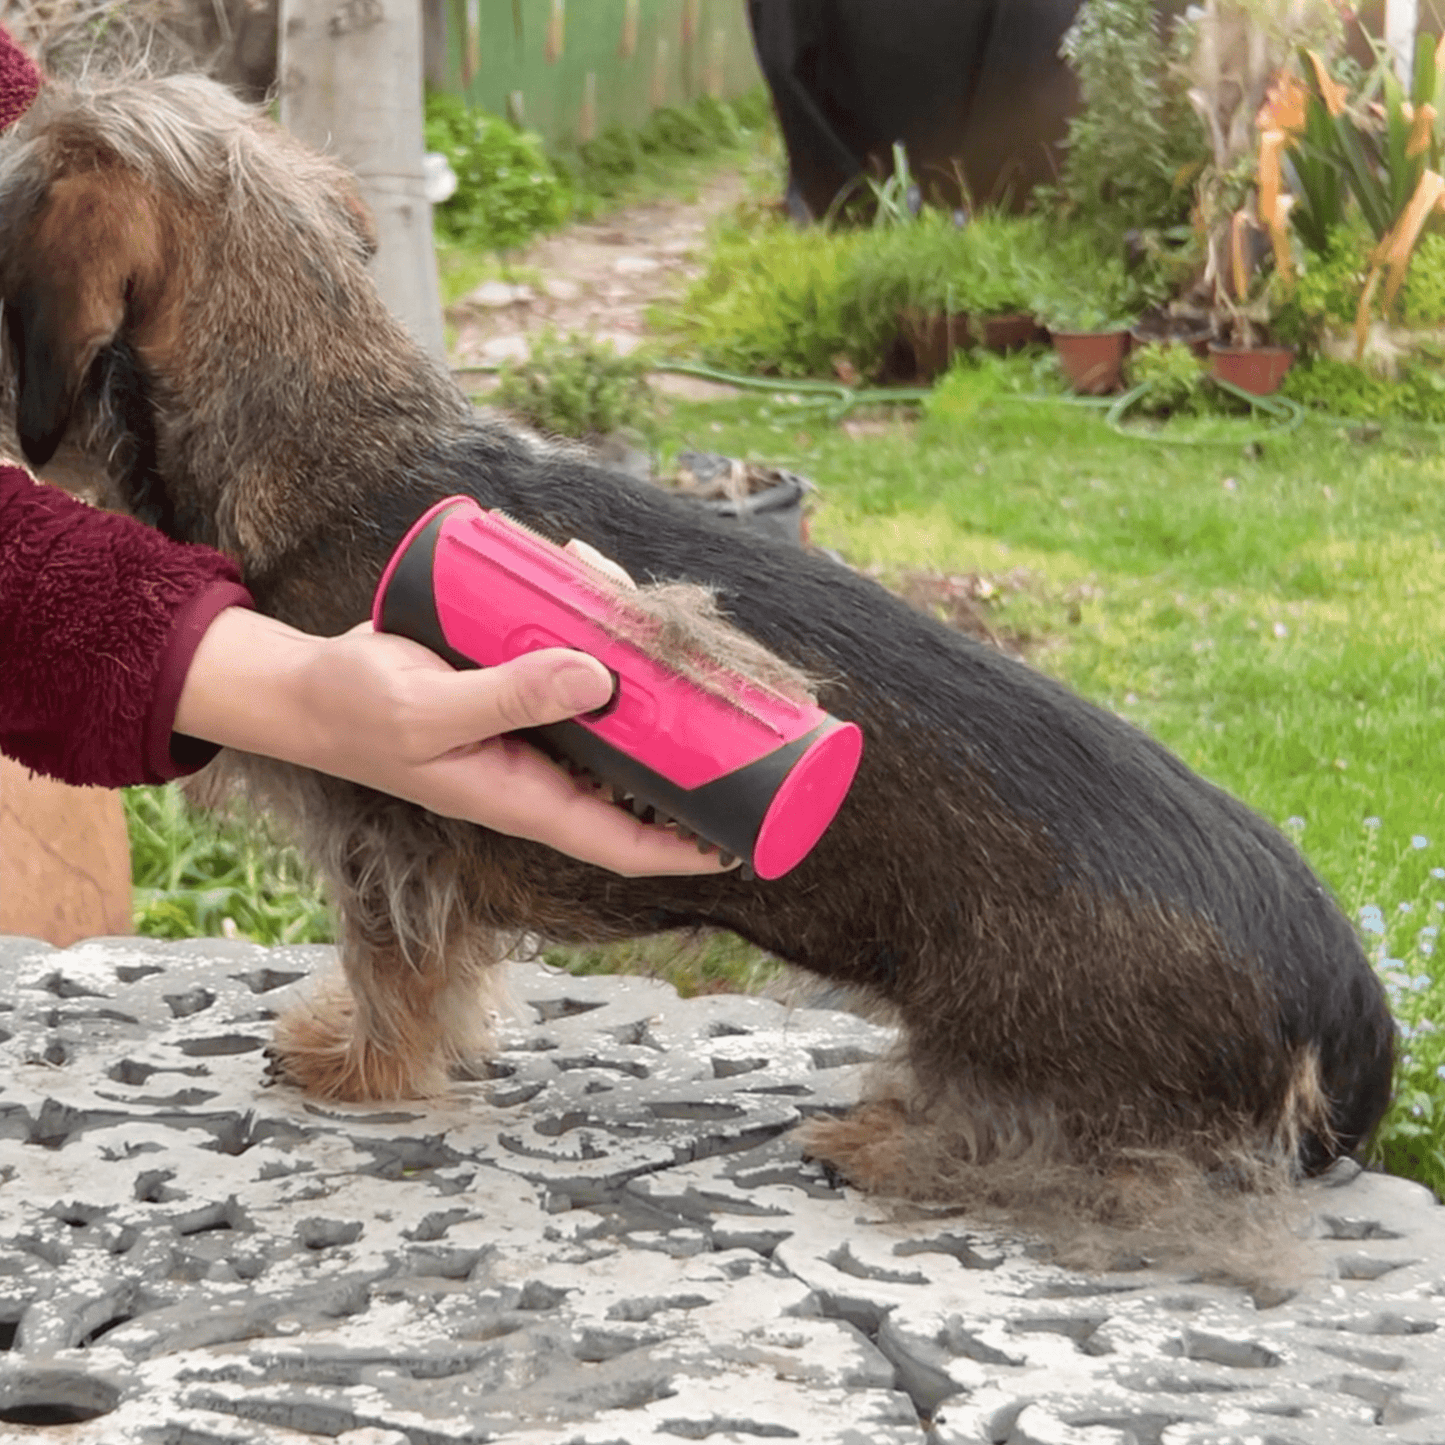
(385, 712)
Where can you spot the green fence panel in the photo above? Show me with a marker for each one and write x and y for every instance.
(569, 71)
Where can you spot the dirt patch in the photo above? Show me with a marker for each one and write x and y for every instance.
(597, 277)
(965, 601)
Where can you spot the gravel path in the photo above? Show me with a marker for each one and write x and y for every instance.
(599, 278)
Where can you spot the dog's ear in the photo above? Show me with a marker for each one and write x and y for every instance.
(91, 255)
(45, 392)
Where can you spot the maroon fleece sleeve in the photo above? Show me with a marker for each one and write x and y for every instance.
(19, 80)
(99, 619)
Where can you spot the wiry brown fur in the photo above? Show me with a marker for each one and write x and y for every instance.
(1094, 955)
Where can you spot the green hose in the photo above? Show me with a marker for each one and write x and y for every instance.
(838, 396)
(1287, 415)
(838, 399)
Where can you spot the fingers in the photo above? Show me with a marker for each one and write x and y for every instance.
(509, 787)
(547, 686)
(442, 709)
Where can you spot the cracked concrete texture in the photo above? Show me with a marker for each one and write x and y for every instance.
(605, 1238)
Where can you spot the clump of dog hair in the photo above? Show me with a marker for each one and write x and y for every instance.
(1235, 1217)
(681, 625)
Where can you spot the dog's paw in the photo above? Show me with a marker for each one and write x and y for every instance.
(318, 1048)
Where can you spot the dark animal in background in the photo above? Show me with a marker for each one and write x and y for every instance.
(974, 90)
(1092, 953)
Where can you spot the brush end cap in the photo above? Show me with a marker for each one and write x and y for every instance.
(807, 801)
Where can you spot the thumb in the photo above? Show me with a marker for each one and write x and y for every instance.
(547, 686)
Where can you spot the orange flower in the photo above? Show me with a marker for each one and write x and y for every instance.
(1332, 91)
(1284, 105)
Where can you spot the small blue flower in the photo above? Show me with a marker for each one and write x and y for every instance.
(1372, 920)
(1421, 982)
(1295, 824)
(1438, 873)
(1405, 908)
(1419, 841)
(1372, 823)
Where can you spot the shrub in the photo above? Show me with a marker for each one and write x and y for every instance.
(1339, 388)
(575, 386)
(1327, 290)
(935, 264)
(605, 166)
(1330, 282)
(198, 875)
(1007, 255)
(1402, 938)
(507, 189)
(1422, 300)
(1134, 132)
(1175, 375)
(925, 264)
(1081, 287)
(779, 301)
(1345, 390)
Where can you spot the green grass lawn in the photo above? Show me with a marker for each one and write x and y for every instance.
(1272, 608)
(1270, 605)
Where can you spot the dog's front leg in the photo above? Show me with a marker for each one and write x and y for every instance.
(418, 976)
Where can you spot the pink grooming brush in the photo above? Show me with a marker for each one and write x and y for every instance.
(758, 774)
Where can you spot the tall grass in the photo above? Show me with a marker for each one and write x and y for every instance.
(196, 876)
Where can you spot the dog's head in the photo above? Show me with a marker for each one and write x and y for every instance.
(132, 217)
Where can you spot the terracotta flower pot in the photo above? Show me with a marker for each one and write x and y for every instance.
(934, 337)
(1255, 369)
(1009, 333)
(1092, 360)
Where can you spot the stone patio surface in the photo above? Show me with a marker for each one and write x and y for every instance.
(608, 1240)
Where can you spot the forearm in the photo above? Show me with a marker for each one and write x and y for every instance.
(384, 712)
(92, 606)
(247, 687)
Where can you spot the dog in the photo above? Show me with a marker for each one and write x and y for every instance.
(1089, 950)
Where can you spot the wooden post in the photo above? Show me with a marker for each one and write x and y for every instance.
(351, 85)
(64, 859)
(1401, 20)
